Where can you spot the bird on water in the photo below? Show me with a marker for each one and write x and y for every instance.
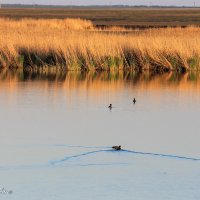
(134, 100)
(110, 106)
(117, 148)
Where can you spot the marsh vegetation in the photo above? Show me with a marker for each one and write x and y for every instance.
(112, 16)
(76, 44)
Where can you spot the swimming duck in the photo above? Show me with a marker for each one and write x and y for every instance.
(117, 148)
(134, 100)
(110, 106)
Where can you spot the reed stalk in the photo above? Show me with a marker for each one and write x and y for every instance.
(75, 44)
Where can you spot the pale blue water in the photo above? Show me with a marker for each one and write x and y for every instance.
(57, 132)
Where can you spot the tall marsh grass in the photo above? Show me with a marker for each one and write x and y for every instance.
(76, 44)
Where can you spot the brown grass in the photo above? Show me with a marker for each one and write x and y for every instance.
(105, 16)
(76, 44)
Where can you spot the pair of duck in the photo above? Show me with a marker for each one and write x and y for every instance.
(110, 106)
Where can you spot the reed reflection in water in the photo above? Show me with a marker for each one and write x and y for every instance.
(96, 80)
(101, 87)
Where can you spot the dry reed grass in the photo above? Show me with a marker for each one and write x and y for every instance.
(76, 44)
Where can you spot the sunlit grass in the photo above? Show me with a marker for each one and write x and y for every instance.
(75, 44)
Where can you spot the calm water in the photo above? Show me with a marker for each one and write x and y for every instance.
(56, 133)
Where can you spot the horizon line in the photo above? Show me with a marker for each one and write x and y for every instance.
(91, 5)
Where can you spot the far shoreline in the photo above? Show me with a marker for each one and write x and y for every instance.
(129, 17)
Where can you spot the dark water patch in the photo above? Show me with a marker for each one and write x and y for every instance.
(135, 78)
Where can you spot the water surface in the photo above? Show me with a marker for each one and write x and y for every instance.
(57, 130)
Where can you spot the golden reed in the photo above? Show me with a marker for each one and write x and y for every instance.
(75, 44)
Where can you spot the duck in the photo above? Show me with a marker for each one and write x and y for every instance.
(110, 106)
(134, 100)
(118, 148)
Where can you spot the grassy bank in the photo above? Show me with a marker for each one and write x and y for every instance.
(77, 45)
